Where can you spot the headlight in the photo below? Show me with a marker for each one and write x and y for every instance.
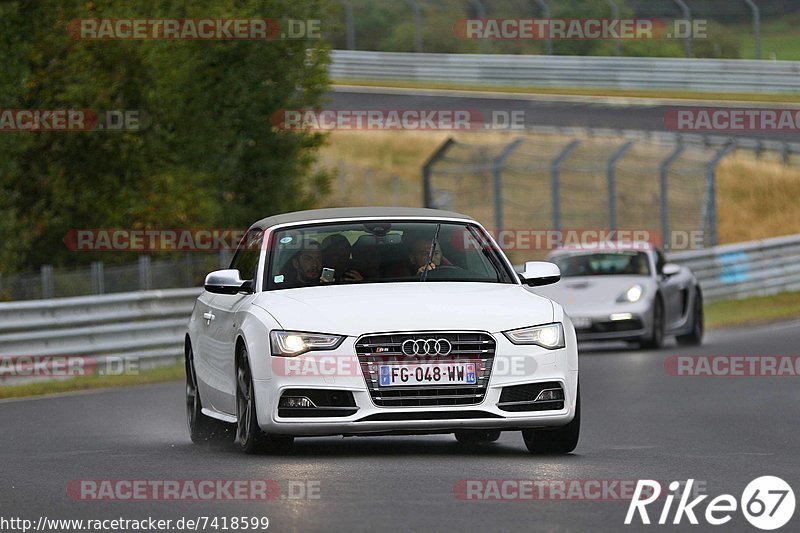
(294, 343)
(550, 336)
(632, 295)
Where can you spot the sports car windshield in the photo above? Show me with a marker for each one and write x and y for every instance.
(382, 251)
(603, 264)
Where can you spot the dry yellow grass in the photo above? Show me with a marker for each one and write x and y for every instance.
(756, 198)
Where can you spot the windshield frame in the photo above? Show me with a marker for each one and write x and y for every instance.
(494, 254)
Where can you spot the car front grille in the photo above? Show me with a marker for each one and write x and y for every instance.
(467, 347)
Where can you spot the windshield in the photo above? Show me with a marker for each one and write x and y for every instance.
(603, 264)
(378, 251)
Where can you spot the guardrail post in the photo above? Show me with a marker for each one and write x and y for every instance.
(427, 190)
(497, 177)
(555, 170)
(548, 40)
(687, 14)
(756, 26)
(612, 183)
(664, 193)
(98, 279)
(47, 281)
(711, 192)
(145, 273)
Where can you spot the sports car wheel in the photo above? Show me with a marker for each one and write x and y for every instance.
(558, 440)
(656, 338)
(201, 427)
(248, 435)
(695, 337)
(477, 436)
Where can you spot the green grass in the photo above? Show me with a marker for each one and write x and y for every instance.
(755, 310)
(780, 37)
(155, 375)
(572, 91)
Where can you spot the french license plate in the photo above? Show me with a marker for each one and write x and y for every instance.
(581, 322)
(427, 374)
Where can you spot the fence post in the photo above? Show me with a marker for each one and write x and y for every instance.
(615, 16)
(711, 190)
(145, 274)
(427, 191)
(756, 26)
(687, 14)
(349, 24)
(224, 258)
(555, 184)
(664, 193)
(47, 281)
(612, 183)
(548, 41)
(497, 177)
(416, 15)
(98, 279)
(480, 10)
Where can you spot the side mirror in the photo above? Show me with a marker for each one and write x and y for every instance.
(538, 273)
(227, 282)
(670, 269)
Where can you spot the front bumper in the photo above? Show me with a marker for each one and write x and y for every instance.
(624, 322)
(513, 365)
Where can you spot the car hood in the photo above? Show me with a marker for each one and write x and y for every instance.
(357, 309)
(586, 294)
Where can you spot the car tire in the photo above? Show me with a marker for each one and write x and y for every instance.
(555, 441)
(695, 337)
(202, 428)
(477, 436)
(656, 338)
(249, 436)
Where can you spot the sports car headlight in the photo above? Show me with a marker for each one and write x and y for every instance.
(632, 295)
(294, 343)
(550, 336)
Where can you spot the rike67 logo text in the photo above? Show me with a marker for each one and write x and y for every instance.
(767, 503)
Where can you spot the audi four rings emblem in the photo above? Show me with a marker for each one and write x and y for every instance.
(426, 347)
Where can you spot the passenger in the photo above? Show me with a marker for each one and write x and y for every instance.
(367, 260)
(336, 255)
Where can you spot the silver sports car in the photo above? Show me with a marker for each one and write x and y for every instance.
(620, 292)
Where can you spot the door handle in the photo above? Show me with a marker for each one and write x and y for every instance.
(209, 316)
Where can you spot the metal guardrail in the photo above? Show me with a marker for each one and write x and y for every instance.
(149, 326)
(716, 75)
(746, 269)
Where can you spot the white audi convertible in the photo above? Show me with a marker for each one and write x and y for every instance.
(376, 321)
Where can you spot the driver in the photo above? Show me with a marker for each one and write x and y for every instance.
(304, 269)
(419, 251)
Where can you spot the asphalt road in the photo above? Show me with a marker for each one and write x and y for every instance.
(584, 111)
(638, 422)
